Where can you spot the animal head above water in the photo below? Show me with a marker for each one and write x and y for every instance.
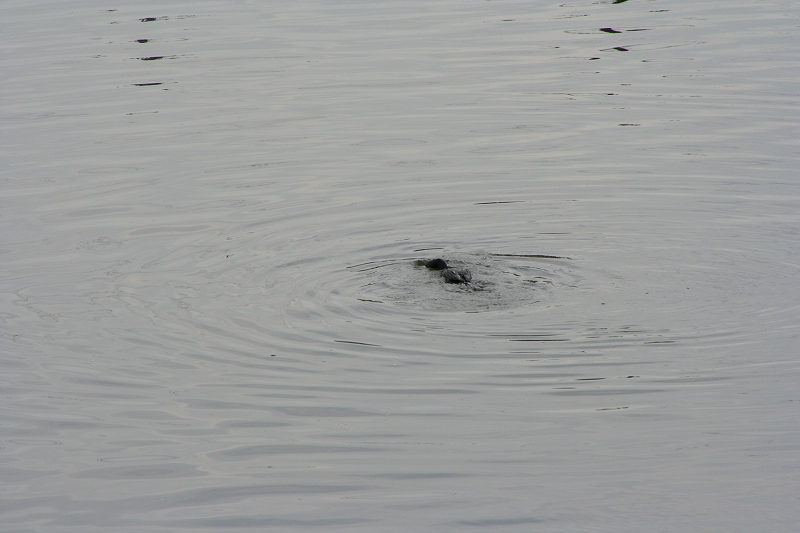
(436, 264)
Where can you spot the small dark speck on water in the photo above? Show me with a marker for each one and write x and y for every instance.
(147, 19)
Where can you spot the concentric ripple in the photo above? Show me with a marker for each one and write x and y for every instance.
(498, 283)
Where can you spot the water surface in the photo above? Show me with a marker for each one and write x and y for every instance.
(211, 317)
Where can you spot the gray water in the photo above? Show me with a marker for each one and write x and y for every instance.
(211, 317)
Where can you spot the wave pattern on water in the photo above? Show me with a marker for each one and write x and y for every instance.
(211, 316)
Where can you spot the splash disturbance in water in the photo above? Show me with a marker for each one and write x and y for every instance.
(211, 317)
(495, 284)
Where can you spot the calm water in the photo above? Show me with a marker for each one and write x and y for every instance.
(210, 315)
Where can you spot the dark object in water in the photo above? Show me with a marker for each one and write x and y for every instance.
(436, 264)
(457, 276)
(450, 275)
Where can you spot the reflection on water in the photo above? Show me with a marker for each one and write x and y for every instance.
(212, 316)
